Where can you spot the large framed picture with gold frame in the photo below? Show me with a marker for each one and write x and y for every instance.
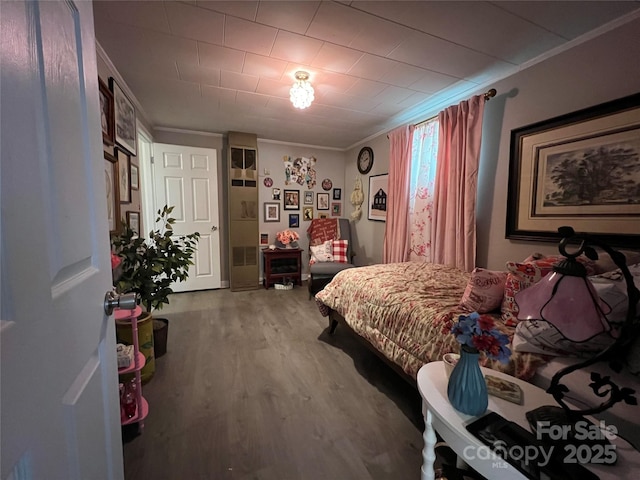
(581, 169)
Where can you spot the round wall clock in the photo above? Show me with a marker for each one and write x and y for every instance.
(365, 160)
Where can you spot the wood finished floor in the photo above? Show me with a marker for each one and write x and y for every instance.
(253, 387)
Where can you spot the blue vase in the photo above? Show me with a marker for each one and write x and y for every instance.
(467, 388)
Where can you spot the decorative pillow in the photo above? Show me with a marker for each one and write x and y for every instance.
(538, 336)
(519, 277)
(589, 265)
(340, 251)
(322, 253)
(484, 291)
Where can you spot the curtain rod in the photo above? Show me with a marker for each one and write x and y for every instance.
(487, 96)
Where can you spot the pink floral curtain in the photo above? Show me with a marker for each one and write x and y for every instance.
(422, 185)
(396, 234)
(454, 224)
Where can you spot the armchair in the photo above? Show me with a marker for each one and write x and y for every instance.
(321, 273)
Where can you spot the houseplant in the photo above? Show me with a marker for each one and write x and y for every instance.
(150, 266)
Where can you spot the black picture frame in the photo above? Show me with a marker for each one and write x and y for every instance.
(337, 194)
(106, 113)
(126, 133)
(322, 201)
(271, 212)
(378, 190)
(291, 199)
(294, 220)
(112, 192)
(124, 172)
(579, 169)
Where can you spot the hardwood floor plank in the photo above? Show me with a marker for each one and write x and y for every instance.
(252, 387)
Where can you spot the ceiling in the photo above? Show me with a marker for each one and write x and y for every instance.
(228, 66)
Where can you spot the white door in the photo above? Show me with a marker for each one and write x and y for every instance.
(59, 384)
(187, 178)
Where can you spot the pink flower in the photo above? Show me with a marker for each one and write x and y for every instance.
(287, 236)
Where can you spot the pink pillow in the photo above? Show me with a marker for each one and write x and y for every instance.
(519, 277)
(484, 291)
(340, 251)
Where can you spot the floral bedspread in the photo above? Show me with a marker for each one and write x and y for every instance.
(406, 310)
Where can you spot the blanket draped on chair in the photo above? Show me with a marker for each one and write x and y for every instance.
(323, 229)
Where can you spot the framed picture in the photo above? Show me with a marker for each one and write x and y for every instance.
(307, 214)
(323, 215)
(275, 194)
(271, 212)
(264, 239)
(322, 201)
(308, 198)
(582, 170)
(111, 186)
(294, 220)
(378, 187)
(292, 199)
(336, 209)
(106, 113)
(124, 169)
(125, 118)
(337, 194)
(133, 221)
(135, 182)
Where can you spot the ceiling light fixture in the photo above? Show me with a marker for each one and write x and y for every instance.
(301, 93)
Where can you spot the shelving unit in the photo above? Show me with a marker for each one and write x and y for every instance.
(142, 409)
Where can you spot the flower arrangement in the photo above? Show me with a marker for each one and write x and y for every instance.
(478, 332)
(287, 236)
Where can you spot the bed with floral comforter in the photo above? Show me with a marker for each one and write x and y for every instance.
(406, 310)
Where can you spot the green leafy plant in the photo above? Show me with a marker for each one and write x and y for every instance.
(150, 266)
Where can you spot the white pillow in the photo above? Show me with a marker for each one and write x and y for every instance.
(322, 253)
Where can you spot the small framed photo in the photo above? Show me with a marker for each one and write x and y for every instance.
(307, 214)
(336, 209)
(337, 194)
(271, 212)
(106, 114)
(264, 239)
(124, 172)
(378, 185)
(308, 198)
(323, 215)
(133, 221)
(275, 194)
(294, 220)
(322, 201)
(292, 199)
(135, 182)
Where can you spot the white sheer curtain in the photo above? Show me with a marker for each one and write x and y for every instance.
(423, 175)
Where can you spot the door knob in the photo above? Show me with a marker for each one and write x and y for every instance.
(214, 228)
(126, 301)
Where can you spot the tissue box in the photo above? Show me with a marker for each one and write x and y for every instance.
(125, 355)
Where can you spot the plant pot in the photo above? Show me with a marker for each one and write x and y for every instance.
(160, 333)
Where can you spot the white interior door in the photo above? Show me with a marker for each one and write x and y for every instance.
(59, 392)
(187, 178)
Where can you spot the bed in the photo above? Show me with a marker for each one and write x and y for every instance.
(404, 312)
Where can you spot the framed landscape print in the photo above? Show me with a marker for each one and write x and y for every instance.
(125, 119)
(133, 220)
(580, 170)
(111, 186)
(124, 170)
(106, 113)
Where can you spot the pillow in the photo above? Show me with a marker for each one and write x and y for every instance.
(538, 336)
(519, 277)
(322, 253)
(589, 265)
(340, 251)
(484, 291)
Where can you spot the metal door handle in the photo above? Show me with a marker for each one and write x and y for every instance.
(125, 301)
(214, 228)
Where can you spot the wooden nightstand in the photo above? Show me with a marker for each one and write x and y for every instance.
(281, 264)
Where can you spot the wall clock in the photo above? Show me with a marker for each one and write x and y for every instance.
(365, 160)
